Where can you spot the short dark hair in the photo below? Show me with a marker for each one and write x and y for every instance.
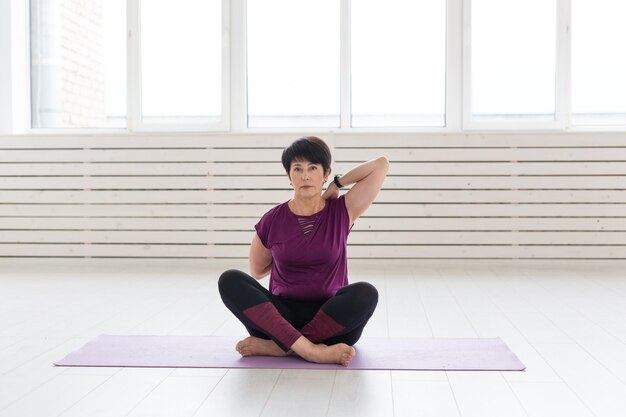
(308, 148)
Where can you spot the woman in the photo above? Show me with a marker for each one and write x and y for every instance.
(310, 309)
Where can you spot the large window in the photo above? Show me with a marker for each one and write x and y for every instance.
(348, 65)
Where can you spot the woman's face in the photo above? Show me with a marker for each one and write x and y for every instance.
(306, 178)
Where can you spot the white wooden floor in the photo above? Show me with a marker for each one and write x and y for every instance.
(565, 320)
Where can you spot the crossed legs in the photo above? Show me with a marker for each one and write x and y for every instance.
(321, 332)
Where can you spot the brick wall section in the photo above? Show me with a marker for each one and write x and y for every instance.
(82, 51)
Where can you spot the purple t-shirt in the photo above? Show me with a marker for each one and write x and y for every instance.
(309, 252)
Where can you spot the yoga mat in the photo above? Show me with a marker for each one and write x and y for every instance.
(219, 352)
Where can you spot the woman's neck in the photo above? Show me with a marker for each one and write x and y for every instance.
(308, 206)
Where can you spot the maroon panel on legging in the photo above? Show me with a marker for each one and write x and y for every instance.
(321, 327)
(267, 318)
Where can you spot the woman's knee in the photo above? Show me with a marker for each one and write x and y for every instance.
(364, 295)
(230, 280)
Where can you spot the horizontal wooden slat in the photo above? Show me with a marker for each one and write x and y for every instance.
(282, 182)
(376, 210)
(79, 223)
(139, 183)
(108, 169)
(480, 223)
(487, 238)
(105, 155)
(245, 155)
(115, 251)
(442, 154)
(403, 140)
(363, 224)
(246, 169)
(498, 210)
(501, 168)
(274, 168)
(484, 154)
(272, 197)
(487, 252)
(69, 141)
(134, 210)
(446, 182)
(91, 236)
(119, 197)
(608, 182)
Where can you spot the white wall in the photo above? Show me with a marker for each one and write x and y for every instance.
(447, 196)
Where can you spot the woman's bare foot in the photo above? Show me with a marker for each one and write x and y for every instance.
(254, 346)
(339, 353)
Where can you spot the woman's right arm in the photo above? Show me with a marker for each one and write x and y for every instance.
(260, 258)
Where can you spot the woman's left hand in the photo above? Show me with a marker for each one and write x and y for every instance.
(331, 192)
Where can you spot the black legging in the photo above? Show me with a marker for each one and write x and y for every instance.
(339, 319)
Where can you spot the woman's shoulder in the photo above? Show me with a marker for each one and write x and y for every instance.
(338, 203)
(275, 215)
(277, 210)
(339, 210)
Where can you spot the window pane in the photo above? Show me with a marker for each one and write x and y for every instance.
(513, 61)
(293, 63)
(181, 61)
(398, 63)
(598, 66)
(78, 64)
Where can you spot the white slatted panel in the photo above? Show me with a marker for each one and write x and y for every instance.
(447, 196)
(121, 196)
(497, 196)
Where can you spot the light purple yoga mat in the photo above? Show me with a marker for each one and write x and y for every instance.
(219, 352)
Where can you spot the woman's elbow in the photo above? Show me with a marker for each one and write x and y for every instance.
(257, 272)
(384, 163)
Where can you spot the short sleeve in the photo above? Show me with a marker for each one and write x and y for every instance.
(263, 227)
(344, 216)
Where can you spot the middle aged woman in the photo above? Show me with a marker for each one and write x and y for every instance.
(310, 309)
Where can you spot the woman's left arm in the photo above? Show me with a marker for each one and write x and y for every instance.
(367, 178)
